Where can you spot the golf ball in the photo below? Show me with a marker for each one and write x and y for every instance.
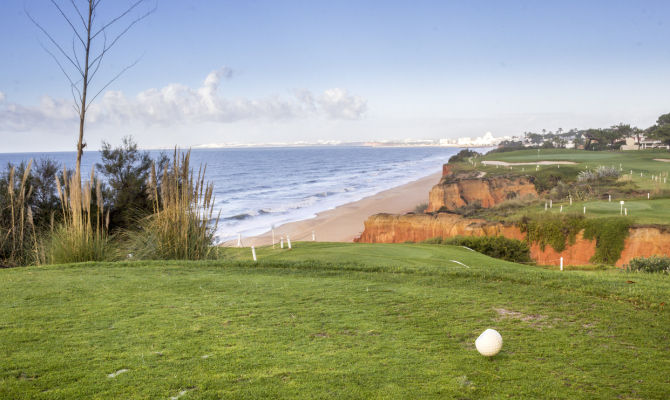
(489, 343)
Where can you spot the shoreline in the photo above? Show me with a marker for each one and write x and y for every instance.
(346, 222)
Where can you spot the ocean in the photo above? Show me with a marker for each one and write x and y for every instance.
(258, 188)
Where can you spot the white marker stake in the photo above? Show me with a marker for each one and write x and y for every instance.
(625, 210)
(647, 196)
(239, 240)
(282, 242)
(551, 204)
(545, 206)
(313, 237)
(561, 263)
(621, 204)
(288, 239)
(584, 210)
(609, 198)
(570, 200)
(253, 252)
(561, 210)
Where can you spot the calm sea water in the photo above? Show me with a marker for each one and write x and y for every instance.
(257, 188)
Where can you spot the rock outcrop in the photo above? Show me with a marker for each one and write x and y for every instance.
(386, 228)
(454, 192)
(644, 242)
(459, 189)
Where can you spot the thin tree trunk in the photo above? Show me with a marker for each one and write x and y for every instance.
(82, 113)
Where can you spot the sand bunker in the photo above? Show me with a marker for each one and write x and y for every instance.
(511, 164)
(662, 159)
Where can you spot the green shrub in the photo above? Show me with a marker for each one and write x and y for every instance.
(421, 208)
(650, 264)
(67, 244)
(126, 170)
(82, 234)
(559, 230)
(463, 155)
(493, 246)
(179, 228)
(551, 229)
(17, 230)
(609, 234)
(600, 173)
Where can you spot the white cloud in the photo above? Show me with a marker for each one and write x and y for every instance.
(181, 104)
(338, 104)
(2, 97)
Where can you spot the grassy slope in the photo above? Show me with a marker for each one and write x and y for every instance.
(331, 321)
(638, 161)
(641, 211)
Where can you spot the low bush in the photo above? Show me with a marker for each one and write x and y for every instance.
(600, 173)
(82, 235)
(421, 208)
(182, 226)
(17, 230)
(493, 246)
(463, 155)
(650, 264)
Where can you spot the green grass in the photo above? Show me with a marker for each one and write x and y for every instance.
(638, 161)
(654, 211)
(331, 321)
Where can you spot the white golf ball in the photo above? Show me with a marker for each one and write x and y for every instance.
(489, 343)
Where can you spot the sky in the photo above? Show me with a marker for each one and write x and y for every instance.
(287, 71)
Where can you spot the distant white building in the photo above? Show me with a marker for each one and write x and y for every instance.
(487, 140)
(644, 143)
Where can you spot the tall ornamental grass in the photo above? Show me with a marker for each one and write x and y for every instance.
(82, 236)
(182, 226)
(18, 241)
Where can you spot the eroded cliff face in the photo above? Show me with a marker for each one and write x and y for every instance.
(453, 192)
(644, 242)
(386, 228)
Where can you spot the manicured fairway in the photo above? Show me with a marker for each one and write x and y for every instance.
(637, 161)
(654, 211)
(331, 321)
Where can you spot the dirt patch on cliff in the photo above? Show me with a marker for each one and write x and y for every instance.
(662, 159)
(511, 164)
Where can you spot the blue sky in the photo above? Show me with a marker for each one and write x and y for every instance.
(346, 70)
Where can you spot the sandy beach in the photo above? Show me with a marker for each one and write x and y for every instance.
(344, 223)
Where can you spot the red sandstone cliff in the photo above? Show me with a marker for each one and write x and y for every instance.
(385, 228)
(454, 192)
(465, 188)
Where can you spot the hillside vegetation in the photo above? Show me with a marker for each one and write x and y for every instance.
(331, 321)
(649, 177)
